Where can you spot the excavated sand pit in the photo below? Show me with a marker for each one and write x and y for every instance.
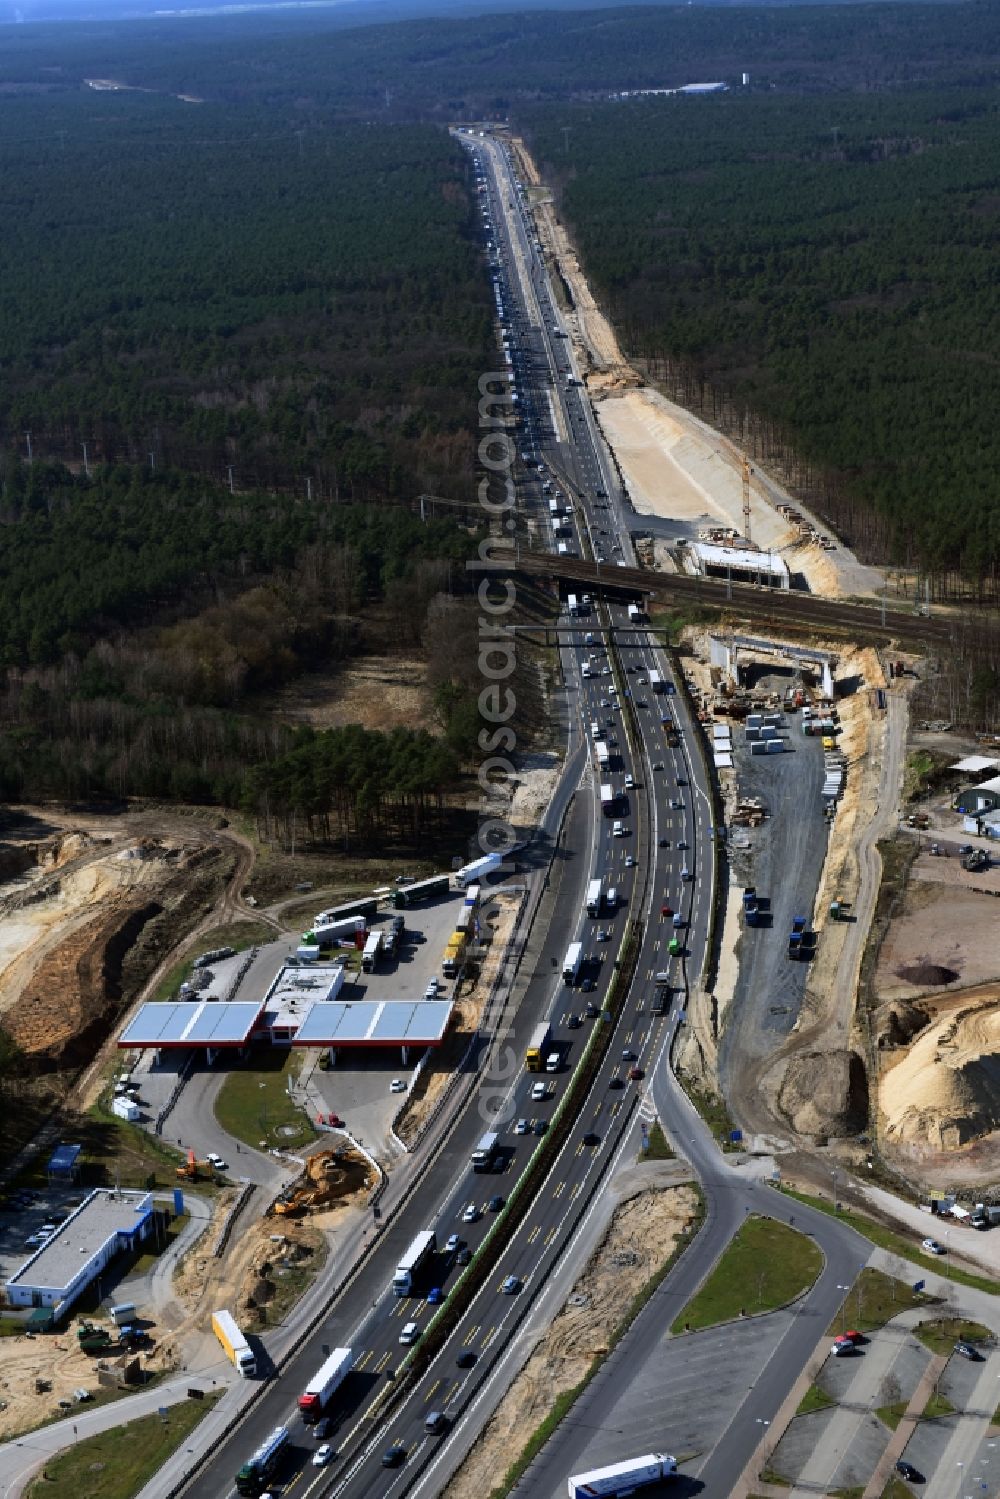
(944, 1090)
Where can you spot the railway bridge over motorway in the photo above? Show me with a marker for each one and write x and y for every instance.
(785, 610)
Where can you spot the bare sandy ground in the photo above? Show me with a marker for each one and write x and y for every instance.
(947, 927)
(639, 1240)
(674, 465)
(79, 879)
(381, 692)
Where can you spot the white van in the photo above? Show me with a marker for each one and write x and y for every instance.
(410, 1333)
(612, 898)
(618, 830)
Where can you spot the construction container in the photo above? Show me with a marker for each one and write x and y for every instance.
(772, 720)
(753, 735)
(769, 732)
(774, 746)
(754, 720)
(760, 748)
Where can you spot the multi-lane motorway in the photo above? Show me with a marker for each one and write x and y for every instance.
(654, 851)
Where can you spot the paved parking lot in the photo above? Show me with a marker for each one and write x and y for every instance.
(784, 860)
(681, 1400)
(836, 1450)
(358, 1086)
(17, 1224)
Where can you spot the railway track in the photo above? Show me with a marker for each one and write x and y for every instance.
(800, 610)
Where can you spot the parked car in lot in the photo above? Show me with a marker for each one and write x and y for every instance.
(907, 1470)
(397, 1085)
(968, 1350)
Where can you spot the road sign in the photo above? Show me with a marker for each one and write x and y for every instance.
(918, 1285)
(735, 1136)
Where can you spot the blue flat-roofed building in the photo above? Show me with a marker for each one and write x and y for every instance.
(109, 1222)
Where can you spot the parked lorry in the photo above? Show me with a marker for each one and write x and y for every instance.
(572, 961)
(416, 1256)
(454, 955)
(534, 1057)
(257, 1472)
(429, 889)
(594, 898)
(622, 1478)
(238, 1350)
(324, 1384)
(985, 1216)
(372, 948)
(751, 909)
(326, 933)
(476, 872)
(366, 906)
(485, 1154)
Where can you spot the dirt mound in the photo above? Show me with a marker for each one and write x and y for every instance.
(927, 975)
(897, 1023)
(824, 1093)
(946, 1090)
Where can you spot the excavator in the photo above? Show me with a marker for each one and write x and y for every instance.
(193, 1168)
(326, 1176)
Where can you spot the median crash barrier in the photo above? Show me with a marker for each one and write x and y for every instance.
(502, 1229)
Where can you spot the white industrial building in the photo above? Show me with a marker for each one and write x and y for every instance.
(106, 1223)
(740, 565)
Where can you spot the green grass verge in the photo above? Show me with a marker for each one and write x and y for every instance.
(765, 1265)
(895, 1243)
(874, 1299)
(896, 1489)
(253, 1103)
(814, 1399)
(891, 1415)
(941, 1334)
(238, 934)
(564, 1402)
(658, 1149)
(772, 1476)
(713, 1110)
(116, 1464)
(113, 1152)
(937, 1405)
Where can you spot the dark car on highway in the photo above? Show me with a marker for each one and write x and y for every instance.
(394, 1456)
